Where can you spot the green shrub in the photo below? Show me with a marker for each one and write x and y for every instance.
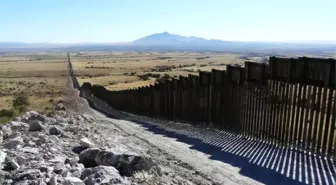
(163, 78)
(21, 102)
(4, 120)
(7, 113)
(143, 77)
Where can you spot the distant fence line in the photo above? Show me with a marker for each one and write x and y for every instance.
(287, 102)
(71, 73)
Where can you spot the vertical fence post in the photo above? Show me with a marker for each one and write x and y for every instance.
(216, 97)
(332, 85)
(256, 77)
(183, 98)
(194, 92)
(204, 89)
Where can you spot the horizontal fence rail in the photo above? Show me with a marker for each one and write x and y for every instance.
(285, 102)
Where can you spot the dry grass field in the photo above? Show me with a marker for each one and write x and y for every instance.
(119, 71)
(125, 70)
(42, 76)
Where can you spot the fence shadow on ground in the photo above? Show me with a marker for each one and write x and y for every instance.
(258, 160)
(263, 162)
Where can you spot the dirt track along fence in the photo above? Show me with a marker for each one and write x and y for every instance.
(287, 102)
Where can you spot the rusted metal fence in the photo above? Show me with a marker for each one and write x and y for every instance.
(286, 102)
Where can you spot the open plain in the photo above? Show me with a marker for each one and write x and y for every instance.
(41, 76)
(127, 70)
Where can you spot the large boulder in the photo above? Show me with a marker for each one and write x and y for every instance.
(125, 161)
(14, 143)
(32, 116)
(54, 130)
(128, 163)
(35, 126)
(102, 175)
(107, 157)
(88, 156)
(11, 164)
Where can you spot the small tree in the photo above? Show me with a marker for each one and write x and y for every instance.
(20, 102)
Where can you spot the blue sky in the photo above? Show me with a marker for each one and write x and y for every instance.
(69, 21)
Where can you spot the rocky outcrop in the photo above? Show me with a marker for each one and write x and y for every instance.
(37, 149)
(35, 126)
(102, 175)
(126, 162)
(88, 156)
(14, 143)
(54, 130)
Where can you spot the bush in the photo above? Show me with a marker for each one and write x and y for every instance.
(21, 102)
(163, 78)
(113, 83)
(4, 120)
(7, 113)
(143, 77)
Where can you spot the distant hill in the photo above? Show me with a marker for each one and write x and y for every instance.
(11, 44)
(166, 38)
(172, 42)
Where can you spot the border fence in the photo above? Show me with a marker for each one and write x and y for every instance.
(287, 102)
(71, 73)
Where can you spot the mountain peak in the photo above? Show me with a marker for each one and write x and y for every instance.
(165, 38)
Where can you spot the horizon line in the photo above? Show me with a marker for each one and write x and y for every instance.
(130, 42)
